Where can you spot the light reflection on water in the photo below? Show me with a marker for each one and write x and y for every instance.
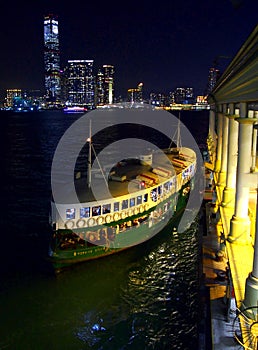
(157, 307)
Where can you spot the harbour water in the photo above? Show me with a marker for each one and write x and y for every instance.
(143, 298)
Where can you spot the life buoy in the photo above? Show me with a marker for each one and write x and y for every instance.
(146, 206)
(123, 215)
(108, 219)
(136, 211)
(130, 212)
(91, 222)
(80, 223)
(69, 224)
(100, 220)
(116, 216)
(141, 209)
(92, 236)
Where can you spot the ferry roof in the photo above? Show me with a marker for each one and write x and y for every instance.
(118, 185)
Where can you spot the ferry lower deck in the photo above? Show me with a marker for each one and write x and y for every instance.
(132, 186)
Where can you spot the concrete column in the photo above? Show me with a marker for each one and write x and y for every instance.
(212, 124)
(254, 143)
(224, 151)
(211, 141)
(255, 261)
(240, 222)
(251, 285)
(254, 150)
(229, 190)
(219, 143)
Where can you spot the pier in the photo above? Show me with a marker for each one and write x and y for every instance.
(230, 245)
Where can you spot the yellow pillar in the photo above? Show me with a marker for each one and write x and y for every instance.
(211, 141)
(219, 143)
(224, 151)
(228, 198)
(240, 222)
(251, 285)
(252, 114)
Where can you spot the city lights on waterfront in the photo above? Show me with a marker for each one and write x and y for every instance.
(77, 86)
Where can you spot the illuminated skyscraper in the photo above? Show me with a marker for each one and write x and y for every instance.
(10, 95)
(52, 60)
(108, 71)
(80, 83)
(212, 79)
(135, 94)
(183, 95)
(100, 88)
(157, 99)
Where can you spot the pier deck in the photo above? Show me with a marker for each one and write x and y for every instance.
(223, 298)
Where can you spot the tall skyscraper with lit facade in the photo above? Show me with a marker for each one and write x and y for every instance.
(52, 60)
(135, 94)
(80, 83)
(212, 79)
(99, 88)
(108, 72)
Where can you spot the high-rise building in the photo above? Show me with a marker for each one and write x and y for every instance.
(108, 72)
(80, 83)
(52, 60)
(183, 95)
(10, 95)
(23, 101)
(212, 79)
(135, 94)
(157, 99)
(99, 89)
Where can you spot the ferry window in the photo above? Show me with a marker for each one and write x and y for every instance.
(85, 212)
(160, 190)
(70, 213)
(116, 206)
(145, 197)
(185, 174)
(106, 208)
(96, 210)
(154, 194)
(166, 186)
(125, 204)
(132, 202)
(139, 200)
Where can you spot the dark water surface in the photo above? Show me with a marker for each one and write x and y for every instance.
(143, 298)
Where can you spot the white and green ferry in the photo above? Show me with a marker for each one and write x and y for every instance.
(94, 229)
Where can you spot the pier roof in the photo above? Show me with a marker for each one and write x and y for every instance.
(239, 81)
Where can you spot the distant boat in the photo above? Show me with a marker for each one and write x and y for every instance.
(75, 109)
(92, 229)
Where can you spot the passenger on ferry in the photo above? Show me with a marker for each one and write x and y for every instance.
(102, 237)
(111, 234)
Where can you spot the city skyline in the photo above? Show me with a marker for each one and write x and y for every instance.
(164, 46)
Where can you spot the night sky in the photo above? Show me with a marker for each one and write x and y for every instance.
(164, 44)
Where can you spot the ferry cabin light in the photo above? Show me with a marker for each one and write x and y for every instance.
(142, 185)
